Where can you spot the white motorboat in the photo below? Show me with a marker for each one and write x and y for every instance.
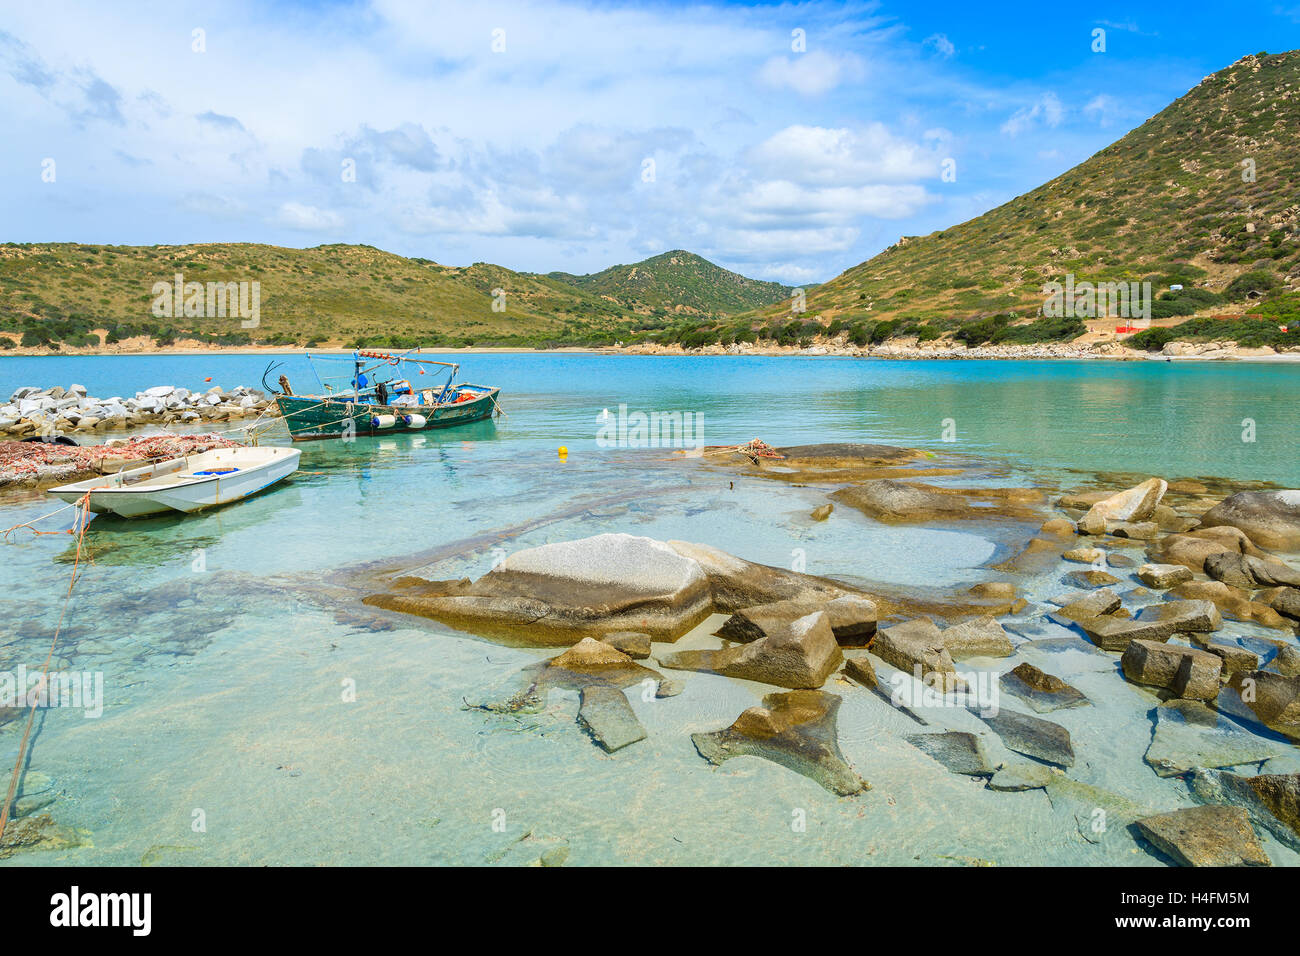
(187, 484)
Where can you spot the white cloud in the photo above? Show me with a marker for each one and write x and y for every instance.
(812, 74)
(1047, 109)
(941, 44)
(296, 215)
(815, 154)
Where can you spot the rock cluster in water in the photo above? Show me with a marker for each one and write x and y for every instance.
(1217, 700)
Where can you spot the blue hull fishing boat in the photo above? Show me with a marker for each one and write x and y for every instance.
(378, 398)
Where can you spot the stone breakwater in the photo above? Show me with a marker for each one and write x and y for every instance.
(33, 412)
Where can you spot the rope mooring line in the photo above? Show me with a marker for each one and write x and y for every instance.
(79, 529)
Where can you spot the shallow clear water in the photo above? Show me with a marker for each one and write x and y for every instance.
(226, 653)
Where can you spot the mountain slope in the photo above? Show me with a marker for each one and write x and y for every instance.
(679, 282)
(78, 294)
(1171, 202)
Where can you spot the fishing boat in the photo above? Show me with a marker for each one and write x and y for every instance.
(377, 396)
(188, 484)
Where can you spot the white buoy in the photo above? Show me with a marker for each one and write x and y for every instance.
(383, 421)
(414, 421)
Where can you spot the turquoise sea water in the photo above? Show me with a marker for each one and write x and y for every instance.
(229, 653)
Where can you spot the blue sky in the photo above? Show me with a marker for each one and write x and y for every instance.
(786, 141)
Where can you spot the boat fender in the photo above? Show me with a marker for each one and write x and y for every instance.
(414, 421)
(383, 421)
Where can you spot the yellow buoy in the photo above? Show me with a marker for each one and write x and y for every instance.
(564, 452)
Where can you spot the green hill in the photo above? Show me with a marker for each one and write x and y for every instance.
(679, 283)
(1170, 202)
(77, 295)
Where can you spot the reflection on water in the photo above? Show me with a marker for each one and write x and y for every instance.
(227, 650)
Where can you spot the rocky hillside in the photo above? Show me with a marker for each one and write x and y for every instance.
(74, 295)
(1205, 195)
(680, 283)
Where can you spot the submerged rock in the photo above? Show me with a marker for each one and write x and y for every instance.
(1189, 734)
(1205, 836)
(960, 752)
(1032, 736)
(1091, 579)
(1185, 671)
(822, 512)
(800, 654)
(1271, 799)
(890, 500)
(608, 716)
(797, 730)
(1041, 691)
(1270, 518)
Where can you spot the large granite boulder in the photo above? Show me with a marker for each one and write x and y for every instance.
(1185, 671)
(1127, 507)
(799, 654)
(735, 584)
(1270, 518)
(796, 730)
(558, 592)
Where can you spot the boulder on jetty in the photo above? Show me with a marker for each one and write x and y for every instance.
(797, 730)
(1124, 509)
(852, 619)
(1270, 518)
(1205, 836)
(1184, 671)
(33, 411)
(1042, 691)
(799, 654)
(557, 593)
(1271, 799)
